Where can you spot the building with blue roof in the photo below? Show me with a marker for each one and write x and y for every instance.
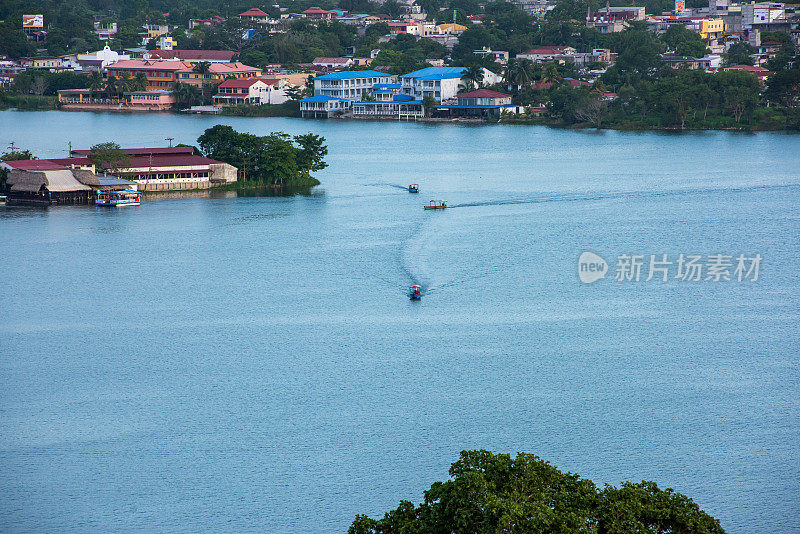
(349, 85)
(323, 106)
(398, 106)
(440, 83)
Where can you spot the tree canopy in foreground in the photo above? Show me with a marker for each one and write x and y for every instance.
(495, 493)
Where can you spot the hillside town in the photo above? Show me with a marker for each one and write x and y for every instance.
(561, 61)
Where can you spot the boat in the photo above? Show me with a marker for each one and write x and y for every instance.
(436, 205)
(414, 292)
(413, 188)
(126, 197)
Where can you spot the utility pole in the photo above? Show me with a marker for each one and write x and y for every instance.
(12, 147)
(69, 149)
(170, 139)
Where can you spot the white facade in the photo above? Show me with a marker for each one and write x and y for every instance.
(101, 58)
(348, 87)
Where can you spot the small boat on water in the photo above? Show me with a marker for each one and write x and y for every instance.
(415, 292)
(413, 188)
(126, 197)
(436, 205)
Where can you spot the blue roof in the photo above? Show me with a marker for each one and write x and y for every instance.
(386, 86)
(474, 107)
(350, 74)
(417, 102)
(436, 73)
(320, 98)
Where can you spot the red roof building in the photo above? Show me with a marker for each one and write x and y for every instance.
(317, 13)
(252, 14)
(483, 97)
(191, 56)
(760, 72)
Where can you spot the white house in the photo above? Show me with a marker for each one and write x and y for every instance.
(323, 106)
(349, 85)
(251, 91)
(101, 59)
(441, 83)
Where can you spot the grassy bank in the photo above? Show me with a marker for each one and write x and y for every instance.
(287, 109)
(27, 102)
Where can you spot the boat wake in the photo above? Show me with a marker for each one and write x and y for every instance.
(619, 195)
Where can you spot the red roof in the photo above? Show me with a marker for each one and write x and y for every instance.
(313, 10)
(241, 82)
(186, 55)
(147, 151)
(761, 72)
(546, 51)
(253, 12)
(34, 165)
(482, 93)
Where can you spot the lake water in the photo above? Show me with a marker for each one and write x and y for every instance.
(253, 364)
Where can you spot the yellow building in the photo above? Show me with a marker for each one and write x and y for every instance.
(450, 29)
(711, 28)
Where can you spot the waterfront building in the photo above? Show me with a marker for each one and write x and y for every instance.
(349, 85)
(154, 100)
(440, 83)
(44, 186)
(165, 74)
(481, 103)
(153, 169)
(387, 101)
(323, 106)
(251, 91)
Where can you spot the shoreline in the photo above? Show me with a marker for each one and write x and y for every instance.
(429, 120)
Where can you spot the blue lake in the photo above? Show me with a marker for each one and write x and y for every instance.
(253, 364)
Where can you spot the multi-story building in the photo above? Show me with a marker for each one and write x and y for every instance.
(323, 106)
(165, 74)
(439, 83)
(349, 85)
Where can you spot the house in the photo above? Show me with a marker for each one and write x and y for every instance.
(546, 53)
(440, 83)
(42, 182)
(153, 100)
(333, 63)
(396, 105)
(323, 106)
(760, 72)
(614, 19)
(479, 103)
(254, 15)
(42, 63)
(316, 13)
(450, 29)
(209, 22)
(192, 56)
(349, 85)
(500, 56)
(251, 91)
(105, 30)
(165, 74)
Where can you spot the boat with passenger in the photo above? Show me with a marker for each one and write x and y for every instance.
(436, 205)
(415, 292)
(126, 197)
(413, 188)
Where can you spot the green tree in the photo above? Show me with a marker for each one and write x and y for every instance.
(472, 77)
(109, 157)
(739, 54)
(428, 103)
(494, 493)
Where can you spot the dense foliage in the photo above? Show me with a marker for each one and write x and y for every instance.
(276, 159)
(490, 493)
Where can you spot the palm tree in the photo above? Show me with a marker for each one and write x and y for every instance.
(95, 82)
(203, 68)
(124, 83)
(141, 81)
(472, 77)
(111, 85)
(551, 73)
(519, 73)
